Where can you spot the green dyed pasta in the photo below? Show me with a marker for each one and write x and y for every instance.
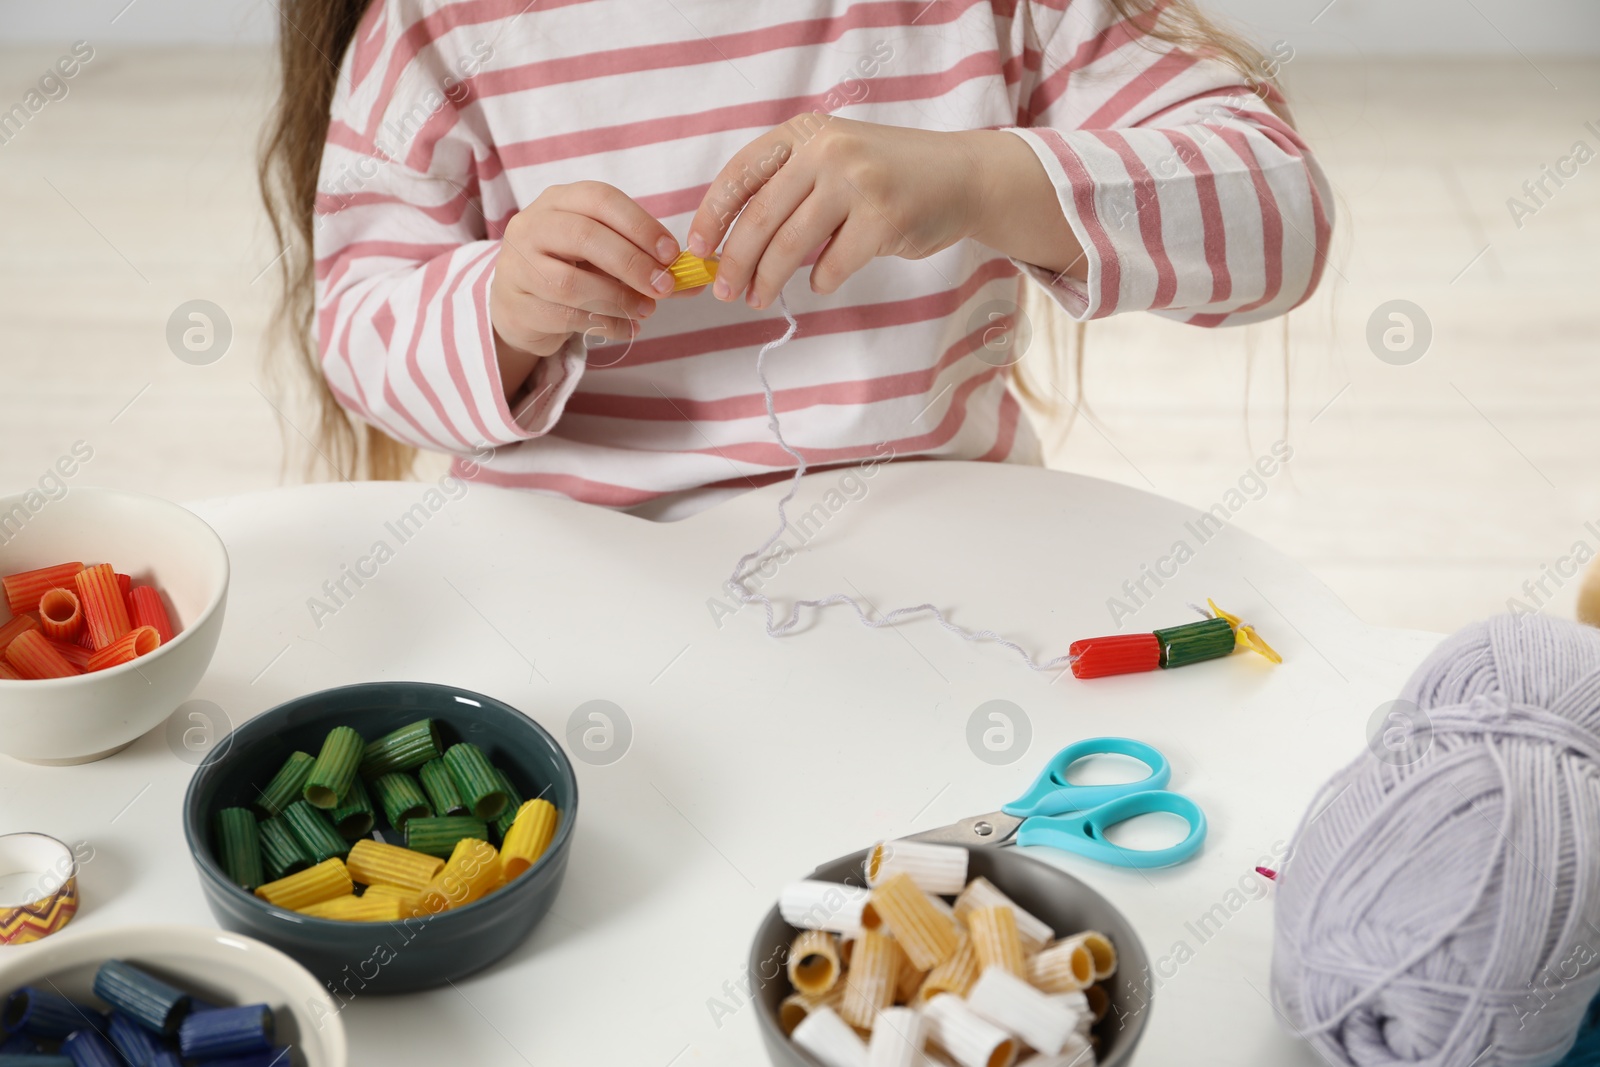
(405, 749)
(514, 801)
(354, 817)
(401, 799)
(281, 851)
(239, 847)
(336, 765)
(286, 785)
(438, 836)
(315, 833)
(1195, 641)
(440, 785)
(476, 780)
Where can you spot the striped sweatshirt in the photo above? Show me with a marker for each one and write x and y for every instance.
(1191, 198)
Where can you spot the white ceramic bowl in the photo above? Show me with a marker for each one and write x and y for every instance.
(224, 968)
(92, 716)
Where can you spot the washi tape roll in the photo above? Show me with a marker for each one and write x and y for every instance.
(38, 887)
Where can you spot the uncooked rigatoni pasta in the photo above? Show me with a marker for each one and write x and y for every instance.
(869, 984)
(928, 935)
(813, 963)
(994, 939)
(981, 893)
(934, 868)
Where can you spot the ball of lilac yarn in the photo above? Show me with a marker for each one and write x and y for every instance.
(1443, 908)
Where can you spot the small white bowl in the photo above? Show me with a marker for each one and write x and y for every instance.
(224, 968)
(61, 721)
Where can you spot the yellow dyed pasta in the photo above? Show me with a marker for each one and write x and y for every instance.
(313, 885)
(529, 836)
(689, 271)
(375, 863)
(995, 940)
(927, 933)
(814, 965)
(352, 908)
(1064, 967)
(869, 984)
(472, 871)
(406, 897)
(955, 975)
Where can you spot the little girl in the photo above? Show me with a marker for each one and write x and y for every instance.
(494, 188)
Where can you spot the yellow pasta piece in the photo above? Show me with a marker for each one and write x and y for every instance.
(375, 863)
(995, 940)
(364, 909)
(689, 271)
(313, 885)
(1064, 967)
(794, 1008)
(955, 975)
(869, 984)
(814, 963)
(530, 834)
(406, 897)
(928, 934)
(473, 870)
(909, 977)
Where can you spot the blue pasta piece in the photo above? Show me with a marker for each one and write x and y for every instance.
(14, 1059)
(145, 999)
(168, 1058)
(135, 1043)
(41, 1013)
(226, 1032)
(19, 1045)
(85, 1048)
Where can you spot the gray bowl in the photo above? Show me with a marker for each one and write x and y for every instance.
(362, 958)
(1052, 894)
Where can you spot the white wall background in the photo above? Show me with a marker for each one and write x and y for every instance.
(1313, 27)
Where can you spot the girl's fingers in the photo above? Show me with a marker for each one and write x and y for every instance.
(610, 205)
(742, 178)
(560, 297)
(852, 247)
(579, 238)
(766, 215)
(802, 233)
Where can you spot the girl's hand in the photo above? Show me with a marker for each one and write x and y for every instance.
(869, 190)
(581, 258)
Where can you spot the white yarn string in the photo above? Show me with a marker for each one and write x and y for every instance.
(741, 570)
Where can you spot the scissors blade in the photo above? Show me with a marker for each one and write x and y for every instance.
(981, 831)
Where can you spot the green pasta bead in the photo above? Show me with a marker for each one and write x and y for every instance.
(476, 779)
(438, 837)
(514, 802)
(1195, 641)
(336, 765)
(239, 847)
(401, 799)
(314, 832)
(354, 817)
(405, 749)
(281, 851)
(287, 784)
(440, 785)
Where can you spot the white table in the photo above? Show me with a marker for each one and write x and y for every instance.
(752, 759)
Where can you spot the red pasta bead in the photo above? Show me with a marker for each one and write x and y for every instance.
(1097, 657)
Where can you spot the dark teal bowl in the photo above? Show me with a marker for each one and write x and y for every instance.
(363, 958)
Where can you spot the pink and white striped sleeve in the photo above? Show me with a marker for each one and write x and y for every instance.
(1191, 198)
(403, 268)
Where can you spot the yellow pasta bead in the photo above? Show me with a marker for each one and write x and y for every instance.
(955, 975)
(472, 872)
(313, 885)
(529, 836)
(689, 271)
(375, 863)
(407, 898)
(995, 940)
(928, 935)
(356, 909)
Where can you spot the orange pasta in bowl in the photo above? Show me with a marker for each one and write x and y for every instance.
(70, 619)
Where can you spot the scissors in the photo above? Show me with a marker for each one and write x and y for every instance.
(1074, 818)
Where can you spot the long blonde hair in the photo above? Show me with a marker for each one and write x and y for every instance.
(312, 38)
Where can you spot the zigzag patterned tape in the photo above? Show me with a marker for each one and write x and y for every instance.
(30, 922)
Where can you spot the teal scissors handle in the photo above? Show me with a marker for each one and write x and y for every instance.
(1052, 794)
(1084, 833)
